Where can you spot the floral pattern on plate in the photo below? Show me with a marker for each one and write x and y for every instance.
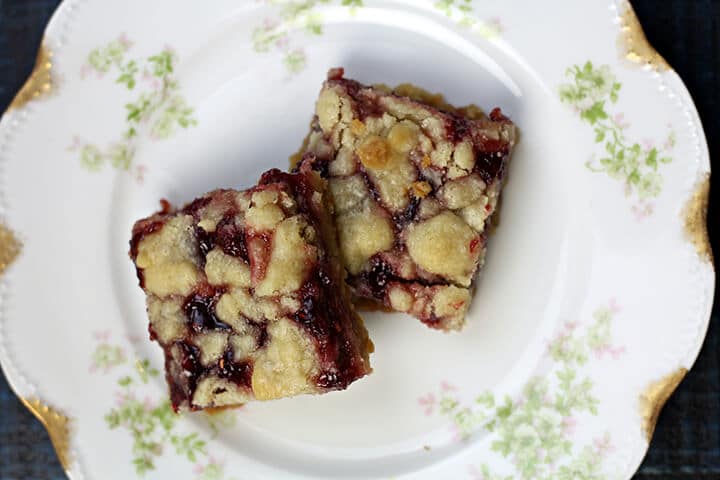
(302, 15)
(158, 111)
(591, 92)
(535, 431)
(151, 422)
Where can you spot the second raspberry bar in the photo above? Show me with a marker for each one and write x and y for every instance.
(415, 182)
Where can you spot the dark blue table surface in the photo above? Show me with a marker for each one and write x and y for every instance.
(687, 439)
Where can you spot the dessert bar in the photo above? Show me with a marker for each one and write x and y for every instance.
(414, 182)
(246, 295)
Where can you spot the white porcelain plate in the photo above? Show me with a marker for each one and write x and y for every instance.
(594, 300)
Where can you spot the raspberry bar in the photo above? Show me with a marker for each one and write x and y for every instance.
(415, 182)
(245, 294)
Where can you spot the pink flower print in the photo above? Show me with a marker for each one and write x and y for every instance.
(602, 445)
(457, 435)
(270, 23)
(428, 403)
(647, 144)
(619, 120)
(447, 387)
(475, 474)
(283, 42)
(601, 351)
(125, 40)
(134, 338)
(198, 469)
(568, 425)
(614, 352)
(148, 404)
(102, 335)
(85, 70)
(567, 329)
(496, 23)
(76, 144)
(140, 171)
(642, 210)
(121, 398)
(151, 80)
(614, 306)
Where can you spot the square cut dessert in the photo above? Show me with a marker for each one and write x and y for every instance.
(415, 183)
(246, 295)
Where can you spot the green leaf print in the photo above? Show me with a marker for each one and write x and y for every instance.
(461, 11)
(278, 34)
(591, 90)
(189, 446)
(533, 432)
(152, 425)
(294, 15)
(102, 59)
(127, 74)
(158, 111)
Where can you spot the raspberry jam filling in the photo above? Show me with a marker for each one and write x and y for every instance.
(323, 312)
(415, 182)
